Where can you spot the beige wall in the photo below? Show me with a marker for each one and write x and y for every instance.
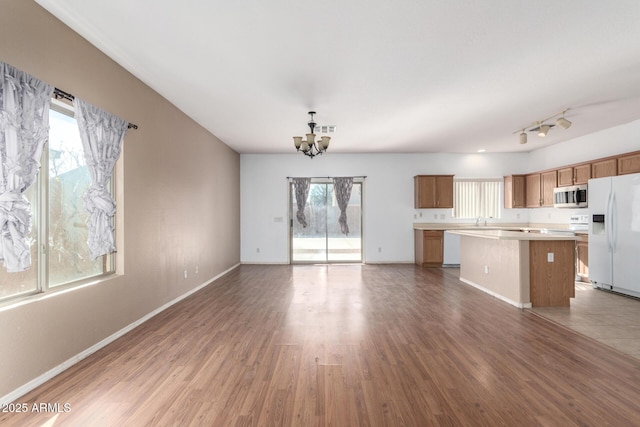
(179, 202)
(507, 262)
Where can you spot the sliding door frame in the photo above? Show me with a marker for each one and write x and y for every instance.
(292, 217)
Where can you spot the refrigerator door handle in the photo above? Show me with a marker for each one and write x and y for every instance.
(608, 223)
(614, 225)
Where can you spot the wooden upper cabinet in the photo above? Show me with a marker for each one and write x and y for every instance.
(603, 168)
(581, 173)
(532, 184)
(565, 177)
(433, 191)
(574, 175)
(548, 181)
(514, 191)
(629, 164)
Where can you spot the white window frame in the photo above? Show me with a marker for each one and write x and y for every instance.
(40, 218)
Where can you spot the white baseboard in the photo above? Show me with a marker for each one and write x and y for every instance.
(494, 294)
(21, 391)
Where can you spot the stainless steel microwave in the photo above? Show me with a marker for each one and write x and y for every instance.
(574, 196)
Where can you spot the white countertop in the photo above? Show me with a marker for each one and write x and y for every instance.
(490, 226)
(512, 235)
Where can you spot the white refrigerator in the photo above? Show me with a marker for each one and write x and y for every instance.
(614, 233)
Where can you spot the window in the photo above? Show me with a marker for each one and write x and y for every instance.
(59, 216)
(477, 198)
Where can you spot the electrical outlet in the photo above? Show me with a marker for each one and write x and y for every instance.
(186, 274)
(196, 269)
(550, 257)
(442, 216)
(379, 249)
(258, 250)
(486, 269)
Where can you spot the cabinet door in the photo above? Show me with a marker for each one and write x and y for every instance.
(514, 191)
(565, 177)
(548, 183)
(629, 164)
(432, 244)
(533, 190)
(581, 174)
(582, 259)
(425, 191)
(603, 168)
(444, 191)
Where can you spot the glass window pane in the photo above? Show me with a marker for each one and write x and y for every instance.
(345, 247)
(68, 180)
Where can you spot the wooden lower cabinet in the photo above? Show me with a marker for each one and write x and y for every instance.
(429, 247)
(551, 272)
(582, 258)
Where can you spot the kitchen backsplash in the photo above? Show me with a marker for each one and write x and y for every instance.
(537, 215)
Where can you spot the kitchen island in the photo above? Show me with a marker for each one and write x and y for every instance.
(522, 268)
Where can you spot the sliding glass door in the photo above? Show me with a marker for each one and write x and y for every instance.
(322, 240)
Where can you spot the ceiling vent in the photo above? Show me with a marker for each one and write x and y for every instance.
(325, 128)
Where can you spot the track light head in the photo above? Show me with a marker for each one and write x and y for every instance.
(563, 123)
(543, 130)
(523, 137)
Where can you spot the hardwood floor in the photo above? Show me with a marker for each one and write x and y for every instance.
(344, 345)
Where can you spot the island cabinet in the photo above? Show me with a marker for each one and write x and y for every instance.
(629, 164)
(551, 264)
(429, 246)
(574, 175)
(514, 191)
(604, 168)
(523, 269)
(433, 191)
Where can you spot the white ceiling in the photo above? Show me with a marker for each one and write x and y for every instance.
(392, 75)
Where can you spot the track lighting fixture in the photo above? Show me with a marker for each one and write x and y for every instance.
(563, 123)
(542, 128)
(523, 137)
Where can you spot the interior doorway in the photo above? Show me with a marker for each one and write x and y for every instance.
(322, 240)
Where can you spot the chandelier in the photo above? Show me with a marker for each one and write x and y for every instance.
(310, 147)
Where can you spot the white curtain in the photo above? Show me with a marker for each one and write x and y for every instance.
(477, 198)
(342, 189)
(101, 134)
(24, 129)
